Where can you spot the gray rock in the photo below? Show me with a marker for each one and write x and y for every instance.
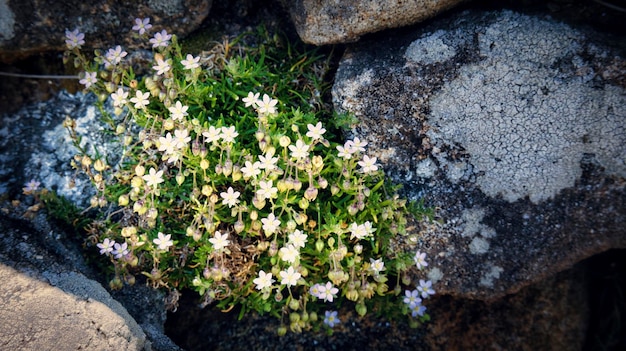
(32, 27)
(331, 22)
(513, 127)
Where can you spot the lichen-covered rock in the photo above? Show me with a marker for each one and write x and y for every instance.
(30, 27)
(513, 127)
(331, 22)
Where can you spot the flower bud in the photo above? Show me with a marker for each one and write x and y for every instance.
(207, 190)
(180, 179)
(227, 169)
(334, 189)
(303, 203)
(319, 245)
(294, 305)
(322, 182)
(284, 141)
(310, 193)
(361, 309)
(116, 283)
(281, 331)
(123, 200)
(204, 164)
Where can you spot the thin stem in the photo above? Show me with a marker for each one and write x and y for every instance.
(37, 76)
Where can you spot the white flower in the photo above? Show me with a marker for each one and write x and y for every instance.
(358, 145)
(228, 134)
(315, 131)
(251, 170)
(178, 111)
(162, 67)
(298, 238)
(264, 280)
(140, 100)
(359, 231)
(268, 162)
(327, 292)
(300, 150)
(181, 138)
(74, 39)
(161, 39)
(420, 260)
(289, 253)
(120, 250)
(154, 178)
(167, 144)
(270, 224)
(346, 150)
(114, 56)
(230, 197)
(368, 164)
(219, 241)
(267, 106)
(119, 97)
(163, 241)
(106, 247)
(142, 25)
(289, 277)
(213, 134)
(377, 265)
(252, 100)
(89, 78)
(266, 190)
(425, 288)
(191, 62)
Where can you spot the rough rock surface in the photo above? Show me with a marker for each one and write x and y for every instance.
(331, 22)
(30, 27)
(513, 126)
(47, 302)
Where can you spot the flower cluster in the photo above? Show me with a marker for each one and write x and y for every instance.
(244, 197)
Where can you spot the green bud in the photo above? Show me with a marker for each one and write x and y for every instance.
(319, 245)
(294, 317)
(294, 305)
(303, 203)
(361, 309)
(281, 331)
(116, 283)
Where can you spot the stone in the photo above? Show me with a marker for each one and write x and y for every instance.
(513, 127)
(28, 28)
(46, 301)
(331, 22)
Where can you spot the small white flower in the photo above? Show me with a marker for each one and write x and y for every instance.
(297, 238)
(251, 100)
(359, 231)
(267, 106)
(251, 170)
(266, 190)
(345, 151)
(219, 241)
(230, 197)
(178, 111)
(377, 266)
(268, 162)
(289, 253)
(270, 224)
(167, 144)
(191, 62)
(228, 134)
(289, 277)
(420, 260)
(315, 131)
(74, 39)
(161, 39)
(119, 97)
(140, 100)
(142, 25)
(120, 250)
(212, 135)
(163, 241)
(106, 247)
(89, 78)
(358, 145)
(114, 56)
(264, 280)
(300, 150)
(181, 138)
(327, 292)
(368, 164)
(162, 67)
(154, 178)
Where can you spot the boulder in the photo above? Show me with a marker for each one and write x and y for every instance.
(513, 127)
(47, 302)
(31, 27)
(323, 22)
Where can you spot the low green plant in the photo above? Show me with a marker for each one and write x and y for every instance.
(230, 184)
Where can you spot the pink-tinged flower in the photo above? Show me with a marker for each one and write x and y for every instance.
(89, 78)
(114, 56)
(420, 260)
(120, 250)
(74, 39)
(191, 62)
(161, 39)
(106, 247)
(368, 164)
(162, 67)
(142, 25)
(31, 187)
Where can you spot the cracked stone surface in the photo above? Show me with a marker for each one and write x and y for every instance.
(513, 127)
